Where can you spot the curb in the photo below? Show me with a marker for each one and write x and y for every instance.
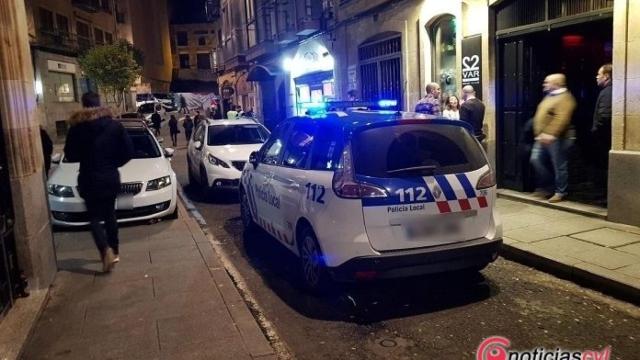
(259, 336)
(579, 276)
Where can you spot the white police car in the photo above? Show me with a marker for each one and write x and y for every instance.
(374, 195)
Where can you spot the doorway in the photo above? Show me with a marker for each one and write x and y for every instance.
(576, 50)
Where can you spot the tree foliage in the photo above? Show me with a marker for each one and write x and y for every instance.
(114, 67)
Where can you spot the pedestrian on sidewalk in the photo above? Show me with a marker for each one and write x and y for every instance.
(101, 145)
(156, 120)
(601, 129)
(188, 127)
(472, 111)
(173, 130)
(551, 124)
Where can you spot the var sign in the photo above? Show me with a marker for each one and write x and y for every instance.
(472, 63)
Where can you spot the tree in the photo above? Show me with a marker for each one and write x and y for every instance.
(114, 67)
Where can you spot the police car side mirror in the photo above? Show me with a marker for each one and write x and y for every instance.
(253, 159)
(168, 152)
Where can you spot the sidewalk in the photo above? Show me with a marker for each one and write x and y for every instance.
(590, 251)
(168, 298)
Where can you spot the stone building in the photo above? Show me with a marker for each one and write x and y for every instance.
(193, 46)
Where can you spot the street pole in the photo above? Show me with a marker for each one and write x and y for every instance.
(21, 134)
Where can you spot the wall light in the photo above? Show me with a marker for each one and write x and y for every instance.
(38, 87)
(287, 64)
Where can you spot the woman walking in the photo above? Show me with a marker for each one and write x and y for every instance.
(188, 127)
(173, 130)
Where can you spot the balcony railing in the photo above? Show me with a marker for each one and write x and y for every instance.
(91, 6)
(54, 39)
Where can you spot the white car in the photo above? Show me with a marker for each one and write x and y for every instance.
(219, 150)
(148, 190)
(374, 195)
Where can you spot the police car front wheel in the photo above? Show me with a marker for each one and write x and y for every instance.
(245, 212)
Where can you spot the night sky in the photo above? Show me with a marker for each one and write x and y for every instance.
(187, 11)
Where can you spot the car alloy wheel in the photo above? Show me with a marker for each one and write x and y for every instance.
(311, 261)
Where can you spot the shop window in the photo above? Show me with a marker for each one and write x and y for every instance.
(443, 53)
(62, 86)
(204, 61)
(184, 61)
(182, 38)
(380, 60)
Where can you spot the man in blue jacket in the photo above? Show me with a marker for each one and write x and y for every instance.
(101, 145)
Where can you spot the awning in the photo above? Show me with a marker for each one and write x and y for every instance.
(263, 73)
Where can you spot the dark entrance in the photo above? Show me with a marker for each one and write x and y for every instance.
(576, 50)
(10, 284)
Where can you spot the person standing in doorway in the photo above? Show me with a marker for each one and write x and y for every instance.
(156, 122)
(430, 104)
(173, 130)
(101, 145)
(551, 123)
(47, 150)
(188, 127)
(601, 129)
(452, 108)
(472, 111)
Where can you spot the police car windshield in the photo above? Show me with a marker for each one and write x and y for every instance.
(236, 135)
(415, 150)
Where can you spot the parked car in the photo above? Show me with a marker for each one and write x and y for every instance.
(219, 150)
(148, 177)
(374, 195)
(165, 111)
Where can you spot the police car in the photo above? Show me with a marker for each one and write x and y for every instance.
(374, 195)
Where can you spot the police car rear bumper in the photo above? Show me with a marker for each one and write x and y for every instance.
(472, 254)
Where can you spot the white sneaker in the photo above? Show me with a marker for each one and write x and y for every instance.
(117, 259)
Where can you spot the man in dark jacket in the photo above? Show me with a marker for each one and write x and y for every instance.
(472, 111)
(101, 145)
(601, 128)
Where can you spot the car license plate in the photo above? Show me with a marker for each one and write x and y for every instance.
(443, 224)
(124, 202)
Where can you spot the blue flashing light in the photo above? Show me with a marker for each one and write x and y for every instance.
(387, 103)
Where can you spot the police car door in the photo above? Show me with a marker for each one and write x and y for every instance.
(259, 187)
(291, 180)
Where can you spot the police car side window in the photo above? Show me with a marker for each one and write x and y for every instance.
(299, 145)
(270, 152)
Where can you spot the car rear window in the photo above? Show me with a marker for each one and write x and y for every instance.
(407, 150)
(236, 135)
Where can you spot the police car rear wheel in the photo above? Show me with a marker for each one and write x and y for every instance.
(314, 274)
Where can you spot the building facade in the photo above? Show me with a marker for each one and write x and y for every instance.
(58, 32)
(193, 46)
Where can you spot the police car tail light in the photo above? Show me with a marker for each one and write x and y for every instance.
(487, 180)
(346, 186)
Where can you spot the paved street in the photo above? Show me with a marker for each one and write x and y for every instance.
(426, 318)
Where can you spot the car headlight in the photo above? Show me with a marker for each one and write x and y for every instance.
(159, 183)
(60, 190)
(217, 162)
